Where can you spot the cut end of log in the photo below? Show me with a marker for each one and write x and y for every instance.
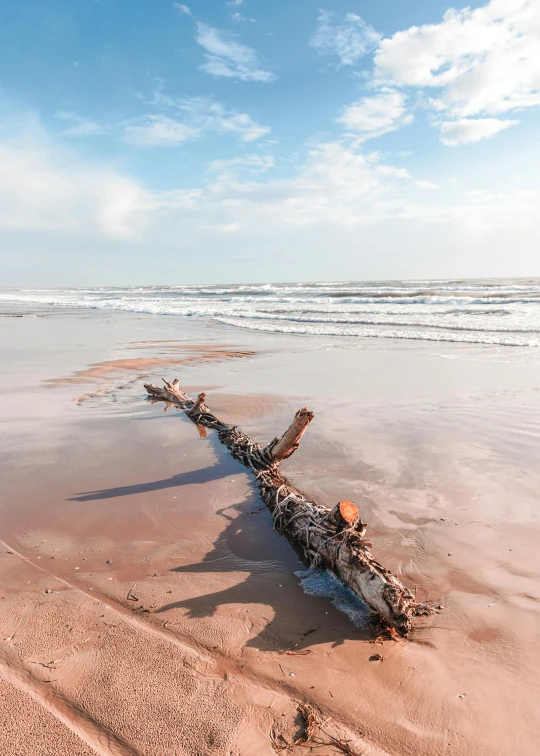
(346, 516)
(349, 511)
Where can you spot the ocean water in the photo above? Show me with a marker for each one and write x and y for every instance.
(317, 582)
(494, 312)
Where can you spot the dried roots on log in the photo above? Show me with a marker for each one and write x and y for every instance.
(330, 538)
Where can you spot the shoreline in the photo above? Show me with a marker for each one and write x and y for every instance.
(428, 448)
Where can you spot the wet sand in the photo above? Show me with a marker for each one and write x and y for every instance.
(147, 606)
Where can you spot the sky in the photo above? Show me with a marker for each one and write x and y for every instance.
(152, 142)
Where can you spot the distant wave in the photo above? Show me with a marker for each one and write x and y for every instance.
(422, 335)
(505, 312)
(374, 321)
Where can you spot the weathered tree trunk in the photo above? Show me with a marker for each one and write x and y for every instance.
(329, 538)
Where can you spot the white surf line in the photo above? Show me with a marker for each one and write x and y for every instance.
(96, 735)
(126, 615)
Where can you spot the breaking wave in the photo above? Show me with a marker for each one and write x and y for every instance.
(504, 312)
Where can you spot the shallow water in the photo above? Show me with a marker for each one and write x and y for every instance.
(322, 583)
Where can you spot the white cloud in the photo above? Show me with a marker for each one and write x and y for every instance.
(228, 58)
(349, 38)
(236, 16)
(376, 115)
(158, 130)
(185, 9)
(209, 116)
(360, 205)
(43, 188)
(80, 127)
(179, 120)
(254, 164)
(243, 126)
(467, 130)
(483, 63)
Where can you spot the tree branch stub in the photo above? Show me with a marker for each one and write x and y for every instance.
(283, 447)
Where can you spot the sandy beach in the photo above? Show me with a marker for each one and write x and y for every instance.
(148, 607)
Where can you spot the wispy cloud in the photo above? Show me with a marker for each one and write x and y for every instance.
(468, 130)
(179, 120)
(80, 127)
(254, 164)
(211, 116)
(158, 130)
(349, 38)
(236, 16)
(185, 9)
(227, 57)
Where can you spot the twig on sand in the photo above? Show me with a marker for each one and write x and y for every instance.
(314, 734)
(130, 597)
(291, 652)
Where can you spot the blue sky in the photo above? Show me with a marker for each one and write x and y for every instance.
(145, 141)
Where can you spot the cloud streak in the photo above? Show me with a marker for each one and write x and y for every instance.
(349, 38)
(80, 127)
(226, 57)
(468, 130)
(178, 121)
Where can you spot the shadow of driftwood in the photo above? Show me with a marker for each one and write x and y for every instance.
(220, 470)
(249, 544)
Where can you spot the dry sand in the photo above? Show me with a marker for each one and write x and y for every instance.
(147, 606)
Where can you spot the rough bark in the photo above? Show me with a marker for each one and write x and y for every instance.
(329, 538)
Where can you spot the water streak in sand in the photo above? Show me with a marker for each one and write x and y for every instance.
(108, 370)
(141, 365)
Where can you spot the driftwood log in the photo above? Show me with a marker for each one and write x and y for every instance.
(330, 538)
